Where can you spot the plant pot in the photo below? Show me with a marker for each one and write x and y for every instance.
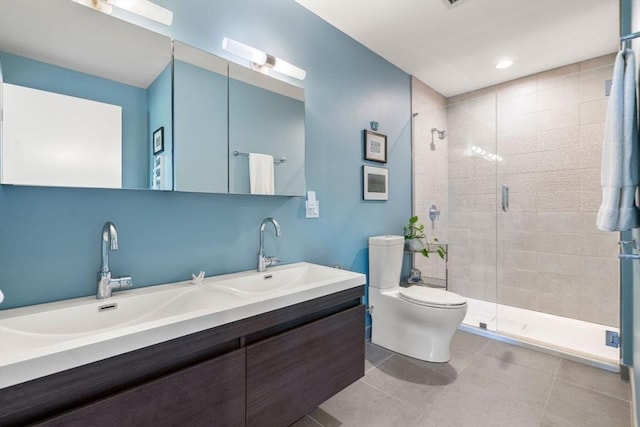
(414, 245)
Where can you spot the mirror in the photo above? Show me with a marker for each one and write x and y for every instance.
(90, 111)
(200, 120)
(93, 101)
(266, 116)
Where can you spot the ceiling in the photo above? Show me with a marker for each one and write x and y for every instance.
(454, 49)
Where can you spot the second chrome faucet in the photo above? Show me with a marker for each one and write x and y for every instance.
(105, 283)
(263, 260)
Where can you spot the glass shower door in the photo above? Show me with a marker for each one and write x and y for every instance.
(472, 206)
(555, 271)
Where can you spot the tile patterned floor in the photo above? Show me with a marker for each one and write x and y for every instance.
(486, 384)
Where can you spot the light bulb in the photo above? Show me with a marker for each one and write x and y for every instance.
(242, 50)
(145, 8)
(284, 67)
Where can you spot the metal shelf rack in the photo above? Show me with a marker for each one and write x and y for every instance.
(435, 282)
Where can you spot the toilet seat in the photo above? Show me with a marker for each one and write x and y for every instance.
(430, 297)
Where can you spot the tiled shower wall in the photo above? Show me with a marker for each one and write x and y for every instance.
(545, 253)
(430, 182)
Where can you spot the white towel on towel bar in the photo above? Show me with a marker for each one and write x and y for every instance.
(261, 180)
(619, 173)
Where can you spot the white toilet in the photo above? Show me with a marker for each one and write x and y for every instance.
(416, 321)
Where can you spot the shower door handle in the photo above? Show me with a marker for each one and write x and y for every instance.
(505, 197)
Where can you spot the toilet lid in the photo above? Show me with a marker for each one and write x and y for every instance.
(432, 297)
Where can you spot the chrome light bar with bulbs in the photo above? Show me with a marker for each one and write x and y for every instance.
(262, 61)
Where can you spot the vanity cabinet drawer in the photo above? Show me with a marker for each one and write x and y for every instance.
(290, 374)
(206, 394)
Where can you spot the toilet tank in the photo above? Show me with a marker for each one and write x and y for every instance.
(385, 261)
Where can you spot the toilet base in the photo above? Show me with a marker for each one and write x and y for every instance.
(413, 330)
(429, 352)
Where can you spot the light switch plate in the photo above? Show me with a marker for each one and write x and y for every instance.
(313, 209)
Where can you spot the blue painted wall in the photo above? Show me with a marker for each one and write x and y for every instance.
(133, 100)
(50, 237)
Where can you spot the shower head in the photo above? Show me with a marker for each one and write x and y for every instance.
(442, 134)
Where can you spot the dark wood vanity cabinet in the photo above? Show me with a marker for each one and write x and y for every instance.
(195, 396)
(270, 370)
(290, 374)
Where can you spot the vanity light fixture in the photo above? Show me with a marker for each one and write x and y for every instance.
(262, 61)
(144, 8)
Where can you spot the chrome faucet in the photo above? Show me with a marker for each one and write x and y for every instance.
(267, 261)
(105, 283)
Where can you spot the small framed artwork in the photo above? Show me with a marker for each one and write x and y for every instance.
(375, 146)
(375, 183)
(158, 141)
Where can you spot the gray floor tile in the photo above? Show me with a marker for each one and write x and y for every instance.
(460, 359)
(553, 421)
(594, 379)
(522, 356)
(504, 380)
(486, 384)
(363, 405)
(468, 342)
(474, 407)
(412, 381)
(585, 408)
(306, 421)
(323, 418)
(374, 355)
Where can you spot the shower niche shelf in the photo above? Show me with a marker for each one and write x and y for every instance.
(432, 250)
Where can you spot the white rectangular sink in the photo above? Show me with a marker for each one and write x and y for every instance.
(302, 276)
(47, 338)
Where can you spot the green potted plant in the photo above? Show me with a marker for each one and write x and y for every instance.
(416, 241)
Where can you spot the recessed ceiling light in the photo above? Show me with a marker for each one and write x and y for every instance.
(504, 64)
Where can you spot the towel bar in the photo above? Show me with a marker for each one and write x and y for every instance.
(237, 153)
(625, 41)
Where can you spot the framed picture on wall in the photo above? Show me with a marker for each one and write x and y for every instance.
(158, 141)
(375, 183)
(375, 146)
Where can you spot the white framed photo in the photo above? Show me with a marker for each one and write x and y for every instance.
(375, 146)
(375, 183)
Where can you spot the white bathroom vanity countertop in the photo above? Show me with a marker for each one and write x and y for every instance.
(43, 339)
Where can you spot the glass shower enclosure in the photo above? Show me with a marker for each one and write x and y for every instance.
(522, 193)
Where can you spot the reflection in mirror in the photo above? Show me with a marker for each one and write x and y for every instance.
(80, 107)
(266, 116)
(200, 120)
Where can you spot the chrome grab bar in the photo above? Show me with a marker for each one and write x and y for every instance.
(634, 257)
(505, 197)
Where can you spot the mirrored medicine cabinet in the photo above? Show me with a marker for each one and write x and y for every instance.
(92, 101)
